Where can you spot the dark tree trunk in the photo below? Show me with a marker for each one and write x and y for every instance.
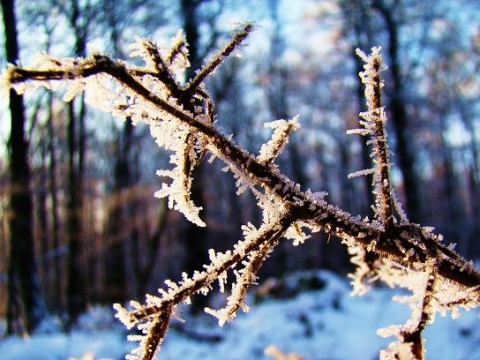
(22, 267)
(357, 16)
(131, 276)
(77, 273)
(53, 188)
(399, 117)
(43, 226)
(195, 237)
(117, 288)
(121, 260)
(76, 301)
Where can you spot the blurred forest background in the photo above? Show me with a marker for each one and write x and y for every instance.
(78, 220)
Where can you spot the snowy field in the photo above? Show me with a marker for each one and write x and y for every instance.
(316, 324)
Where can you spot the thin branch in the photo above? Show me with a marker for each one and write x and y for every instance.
(237, 39)
(271, 234)
(163, 71)
(156, 333)
(374, 123)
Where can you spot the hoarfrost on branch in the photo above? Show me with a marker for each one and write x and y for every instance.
(387, 248)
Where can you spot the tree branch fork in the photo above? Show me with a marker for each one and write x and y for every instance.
(389, 238)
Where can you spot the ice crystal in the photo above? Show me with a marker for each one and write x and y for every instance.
(281, 131)
(364, 172)
(296, 233)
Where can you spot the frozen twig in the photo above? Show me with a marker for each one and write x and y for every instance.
(374, 120)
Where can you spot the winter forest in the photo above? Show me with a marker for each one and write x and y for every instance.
(235, 154)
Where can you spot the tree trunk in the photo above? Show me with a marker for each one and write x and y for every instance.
(22, 267)
(399, 117)
(78, 270)
(130, 278)
(358, 17)
(42, 232)
(122, 282)
(195, 237)
(53, 188)
(75, 277)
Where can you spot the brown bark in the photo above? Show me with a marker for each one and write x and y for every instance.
(78, 271)
(22, 268)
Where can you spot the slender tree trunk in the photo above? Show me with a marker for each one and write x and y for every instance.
(22, 267)
(53, 188)
(363, 34)
(128, 280)
(399, 118)
(43, 227)
(126, 183)
(357, 18)
(195, 237)
(78, 271)
(122, 282)
(75, 277)
(473, 181)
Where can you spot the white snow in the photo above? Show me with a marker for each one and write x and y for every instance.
(317, 324)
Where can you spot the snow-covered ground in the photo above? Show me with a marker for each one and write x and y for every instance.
(317, 324)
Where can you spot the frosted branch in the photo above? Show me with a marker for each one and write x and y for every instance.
(388, 248)
(213, 64)
(256, 246)
(374, 125)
